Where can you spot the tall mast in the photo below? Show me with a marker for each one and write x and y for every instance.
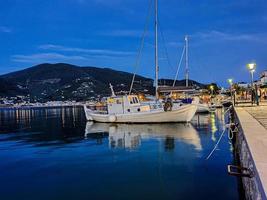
(186, 61)
(156, 49)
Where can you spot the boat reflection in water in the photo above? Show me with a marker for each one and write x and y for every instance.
(130, 135)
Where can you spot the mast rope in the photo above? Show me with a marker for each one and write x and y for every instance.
(139, 54)
(168, 57)
(179, 66)
(165, 47)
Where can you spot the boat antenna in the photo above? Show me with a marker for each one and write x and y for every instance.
(156, 49)
(112, 91)
(186, 61)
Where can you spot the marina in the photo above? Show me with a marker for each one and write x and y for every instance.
(57, 149)
(133, 100)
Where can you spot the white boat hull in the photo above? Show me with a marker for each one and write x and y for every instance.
(203, 108)
(184, 113)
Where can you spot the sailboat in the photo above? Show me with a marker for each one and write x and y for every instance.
(129, 108)
(201, 106)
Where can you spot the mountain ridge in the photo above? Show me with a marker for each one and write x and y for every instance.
(62, 81)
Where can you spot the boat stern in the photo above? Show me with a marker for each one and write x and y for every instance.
(87, 112)
(191, 112)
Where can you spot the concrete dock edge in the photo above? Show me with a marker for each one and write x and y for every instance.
(251, 146)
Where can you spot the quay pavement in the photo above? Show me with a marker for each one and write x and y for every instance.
(253, 121)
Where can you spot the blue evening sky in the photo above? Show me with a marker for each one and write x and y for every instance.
(224, 35)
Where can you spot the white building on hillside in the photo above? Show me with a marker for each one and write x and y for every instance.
(243, 84)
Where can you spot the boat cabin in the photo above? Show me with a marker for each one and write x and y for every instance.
(125, 104)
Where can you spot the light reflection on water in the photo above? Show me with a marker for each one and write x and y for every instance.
(131, 135)
(56, 154)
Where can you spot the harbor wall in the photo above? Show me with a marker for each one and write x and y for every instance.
(252, 186)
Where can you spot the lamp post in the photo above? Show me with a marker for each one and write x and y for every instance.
(251, 67)
(230, 81)
(211, 89)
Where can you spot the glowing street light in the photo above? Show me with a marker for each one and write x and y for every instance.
(230, 81)
(251, 67)
(212, 89)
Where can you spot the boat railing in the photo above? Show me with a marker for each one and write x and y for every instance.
(98, 109)
(155, 106)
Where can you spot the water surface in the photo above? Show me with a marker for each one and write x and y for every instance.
(52, 154)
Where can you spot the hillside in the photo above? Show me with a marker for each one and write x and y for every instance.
(8, 88)
(62, 81)
(169, 82)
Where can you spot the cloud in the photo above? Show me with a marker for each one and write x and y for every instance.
(100, 52)
(175, 44)
(219, 36)
(58, 53)
(46, 57)
(110, 4)
(5, 29)
(121, 33)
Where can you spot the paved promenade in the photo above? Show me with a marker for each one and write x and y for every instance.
(259, 113)
(253, 120)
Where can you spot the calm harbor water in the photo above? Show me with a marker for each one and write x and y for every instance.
(54, 154)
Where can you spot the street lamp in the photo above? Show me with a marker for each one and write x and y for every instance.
(251, 67)
(212, 89)
(230, 81)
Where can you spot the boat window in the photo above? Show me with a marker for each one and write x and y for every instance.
(128, 110)
(133, 100)
(118, 101)
(138, 109)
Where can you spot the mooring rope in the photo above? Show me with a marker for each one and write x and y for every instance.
(230, 134)
(216, 145)
(227, 126)
(228, 110)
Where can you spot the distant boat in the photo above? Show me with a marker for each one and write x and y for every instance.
(205, 108)
(129, 109)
